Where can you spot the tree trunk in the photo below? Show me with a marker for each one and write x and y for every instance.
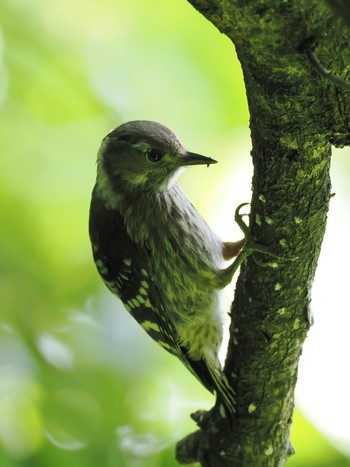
(296, 113)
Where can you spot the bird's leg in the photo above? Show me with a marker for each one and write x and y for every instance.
(244, 248)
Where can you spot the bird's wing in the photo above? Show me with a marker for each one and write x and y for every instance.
(125, 268)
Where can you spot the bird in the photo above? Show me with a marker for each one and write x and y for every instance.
(157, 254)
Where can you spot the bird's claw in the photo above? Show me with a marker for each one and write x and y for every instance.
(239, 220)
(250, 245)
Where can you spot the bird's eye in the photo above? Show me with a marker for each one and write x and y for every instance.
(153, 155)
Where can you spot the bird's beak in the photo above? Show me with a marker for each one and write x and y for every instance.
(191, 158)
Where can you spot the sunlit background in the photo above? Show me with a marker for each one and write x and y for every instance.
(80, 384)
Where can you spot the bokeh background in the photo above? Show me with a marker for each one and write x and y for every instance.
(80, 384)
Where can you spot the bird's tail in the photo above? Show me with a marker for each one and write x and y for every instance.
(224, 392)
(214, 379)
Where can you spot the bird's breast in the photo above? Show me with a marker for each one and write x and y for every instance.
(183, 252)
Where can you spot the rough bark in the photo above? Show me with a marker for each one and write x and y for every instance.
(342, 8)
(295, 115)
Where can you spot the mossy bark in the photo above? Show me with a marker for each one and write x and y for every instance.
(295, 116)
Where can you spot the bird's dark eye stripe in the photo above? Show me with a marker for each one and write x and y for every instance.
(154, 155)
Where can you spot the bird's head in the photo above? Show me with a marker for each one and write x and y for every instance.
(142, 156)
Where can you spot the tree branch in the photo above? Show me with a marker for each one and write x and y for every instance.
(294, 116)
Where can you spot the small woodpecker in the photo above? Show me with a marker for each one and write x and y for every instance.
(156, 253)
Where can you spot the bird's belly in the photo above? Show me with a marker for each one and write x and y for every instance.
(184, 296)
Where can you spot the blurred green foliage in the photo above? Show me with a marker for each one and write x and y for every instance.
(80, 383)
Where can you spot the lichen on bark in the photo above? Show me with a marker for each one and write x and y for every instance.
(295, 116)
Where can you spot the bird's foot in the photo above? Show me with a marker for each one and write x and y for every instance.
(249, 247)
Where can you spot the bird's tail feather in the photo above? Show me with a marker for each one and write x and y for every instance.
(214, 379)
(223, 389)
